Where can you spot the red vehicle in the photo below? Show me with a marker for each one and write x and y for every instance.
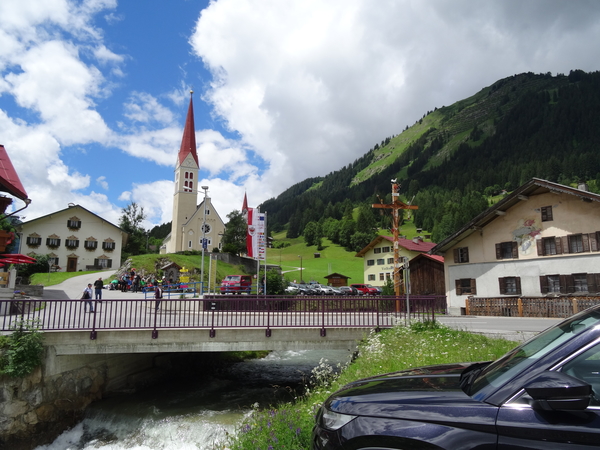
(236, 284)
(366, 289)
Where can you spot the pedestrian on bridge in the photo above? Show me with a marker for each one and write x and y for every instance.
(98, 286)
(158, 294)
(87, 297)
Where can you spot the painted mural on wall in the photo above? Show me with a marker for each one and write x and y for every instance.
(525, 234)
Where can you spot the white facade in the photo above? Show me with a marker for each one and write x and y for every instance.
(75, 239)
(542, 240)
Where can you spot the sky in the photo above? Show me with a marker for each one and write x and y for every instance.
(94, 93)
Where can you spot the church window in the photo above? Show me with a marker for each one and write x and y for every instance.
(191, 175)
(191, 185)
(187, 175)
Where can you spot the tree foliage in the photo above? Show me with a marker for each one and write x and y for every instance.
(131, 222)
(21, 352)
(234, 238)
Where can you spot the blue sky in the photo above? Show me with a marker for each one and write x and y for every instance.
(93, 93)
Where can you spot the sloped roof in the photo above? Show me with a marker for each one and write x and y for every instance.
(408, 244)
(73, 207)
(188, 141)
(535, 186)
(9, 180)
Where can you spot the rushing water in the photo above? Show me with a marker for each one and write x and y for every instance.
(188, 414)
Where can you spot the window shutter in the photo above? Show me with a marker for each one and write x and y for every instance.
(456, 255)
(594, 242)
(544, 284)
(502, 283)
(498, 251)
(591, 282)
(109, 263)
(567, 284)
(564, 245)
(585, 238)
(458, 288)
(540, 247)
(473, 287)
(515, 250)
(518, 285)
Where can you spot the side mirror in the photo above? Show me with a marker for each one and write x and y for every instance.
(557, 391)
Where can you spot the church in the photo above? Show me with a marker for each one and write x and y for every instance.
(192, 222)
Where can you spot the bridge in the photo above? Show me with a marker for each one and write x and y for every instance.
(213, 323)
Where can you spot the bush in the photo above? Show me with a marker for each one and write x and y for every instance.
(22, 350)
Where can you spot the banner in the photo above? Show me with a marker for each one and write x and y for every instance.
(255, 239)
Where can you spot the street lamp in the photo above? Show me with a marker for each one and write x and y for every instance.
(205, 188)
(300, 256)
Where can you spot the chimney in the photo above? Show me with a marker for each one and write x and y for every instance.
(583, 187)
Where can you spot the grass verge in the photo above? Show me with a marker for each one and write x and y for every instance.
(288, 426)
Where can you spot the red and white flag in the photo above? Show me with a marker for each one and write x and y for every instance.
(255, 238)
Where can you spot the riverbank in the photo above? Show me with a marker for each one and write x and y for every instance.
(289, 425)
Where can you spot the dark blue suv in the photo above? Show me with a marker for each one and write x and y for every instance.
(544, 394)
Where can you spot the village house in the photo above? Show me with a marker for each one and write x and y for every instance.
(378, 259)
(540, 240)
(75, 239)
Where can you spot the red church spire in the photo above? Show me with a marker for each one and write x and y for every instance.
(245, 205)
(188, 142)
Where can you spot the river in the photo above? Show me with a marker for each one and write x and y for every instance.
(186, 414)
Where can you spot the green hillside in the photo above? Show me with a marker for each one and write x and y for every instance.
(452, 160)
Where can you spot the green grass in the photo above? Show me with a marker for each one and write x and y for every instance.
(288, 426)
(50, 279)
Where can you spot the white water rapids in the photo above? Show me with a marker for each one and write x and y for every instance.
(189, 414)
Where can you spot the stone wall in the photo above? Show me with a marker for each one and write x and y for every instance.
(36, 407)
(34, 410)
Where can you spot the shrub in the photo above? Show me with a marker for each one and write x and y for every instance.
(22, 350)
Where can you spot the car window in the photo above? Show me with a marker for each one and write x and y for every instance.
(586, 367)
(517, 360)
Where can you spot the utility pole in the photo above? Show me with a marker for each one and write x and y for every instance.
(395, 206)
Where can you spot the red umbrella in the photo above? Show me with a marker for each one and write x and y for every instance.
(17, 258)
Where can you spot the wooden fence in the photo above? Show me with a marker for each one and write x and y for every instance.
(529, 306)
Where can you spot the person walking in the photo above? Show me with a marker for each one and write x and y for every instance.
(87, 297)
(158, 294)
(98, 286)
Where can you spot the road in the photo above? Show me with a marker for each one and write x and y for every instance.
(512, 328)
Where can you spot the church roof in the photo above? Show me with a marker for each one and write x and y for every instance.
(188, 142)
(245, 204)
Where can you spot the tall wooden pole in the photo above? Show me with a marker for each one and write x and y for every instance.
(395, 206)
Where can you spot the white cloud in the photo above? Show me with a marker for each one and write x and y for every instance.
(143, 107)
(310, 85)
(101, 181)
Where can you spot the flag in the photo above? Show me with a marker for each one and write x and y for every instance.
(255, 238)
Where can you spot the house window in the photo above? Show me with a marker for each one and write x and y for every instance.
(507, 250)
(575, 243)
(390, 260)
(465, 286)
(72, 243)
(189, 244)
(90, 245)
(546, 213)
(580, 282)
(551, 284)
(371, 277)
(377, 250)
(381, 276)
(53, 242)
(549, 246)
(370, 262)
(53, 261)
(103, 262)
(34, 241)
(388, 276)
(461, 255)
(385, 249)
(380, 262)
(108, 246)
(510, 285)
(74, 223)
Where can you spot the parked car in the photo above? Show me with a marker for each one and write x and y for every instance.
(544, 394)
(292, 289)
(348, 290)
(377, 289)
(326, 290)
(236, 284)
(365, 289)
(336, 290)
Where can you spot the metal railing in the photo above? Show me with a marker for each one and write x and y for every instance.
(220, 311)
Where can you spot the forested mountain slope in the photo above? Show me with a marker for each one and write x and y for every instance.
(520, 127)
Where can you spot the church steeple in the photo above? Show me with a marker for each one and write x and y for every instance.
(188, 142)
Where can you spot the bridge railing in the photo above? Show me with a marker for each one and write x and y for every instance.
(215, 312)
